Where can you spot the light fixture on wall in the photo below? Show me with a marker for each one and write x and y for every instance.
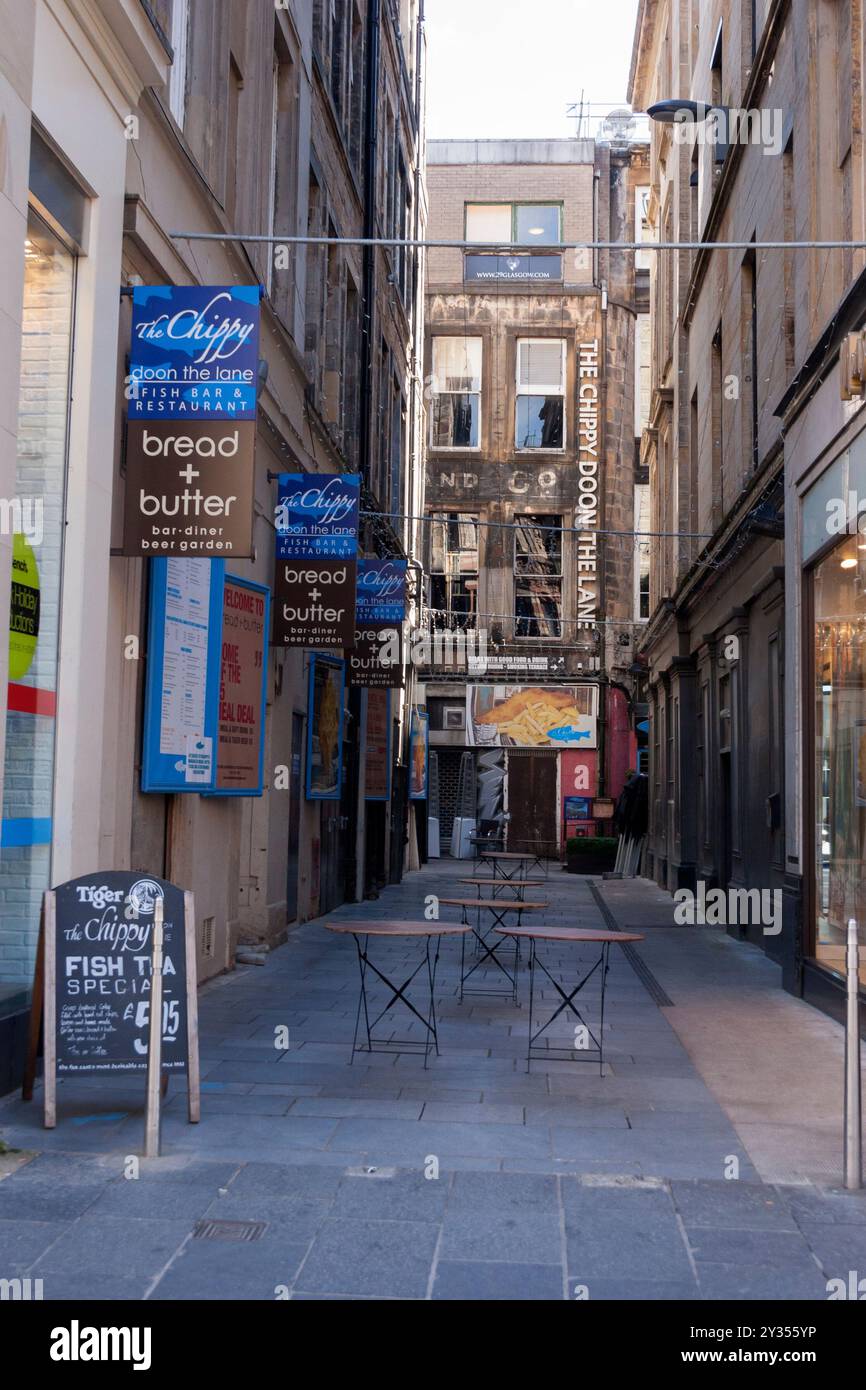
(679, 111)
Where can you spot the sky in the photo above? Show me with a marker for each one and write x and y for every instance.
(509, 68)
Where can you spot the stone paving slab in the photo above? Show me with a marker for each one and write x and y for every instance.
(472, 1178)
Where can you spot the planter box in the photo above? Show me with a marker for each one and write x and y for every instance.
(590, 863)
(598, 857)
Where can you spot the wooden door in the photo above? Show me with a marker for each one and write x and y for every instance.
(532, 796)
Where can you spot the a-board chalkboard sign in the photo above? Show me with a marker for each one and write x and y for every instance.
(93, 979)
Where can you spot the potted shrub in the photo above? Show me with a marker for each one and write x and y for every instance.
(590, 854)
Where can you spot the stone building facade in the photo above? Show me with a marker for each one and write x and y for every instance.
(531, 468)
(125, 125)
(747, 731)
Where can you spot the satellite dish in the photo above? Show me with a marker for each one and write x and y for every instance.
(618, 125)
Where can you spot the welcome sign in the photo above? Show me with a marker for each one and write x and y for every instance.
(190, 446)
(376, 659)
(317, 548)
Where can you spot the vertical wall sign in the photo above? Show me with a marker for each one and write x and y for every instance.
(243, 663)
(181, 703)
(93, 981)
(419, 755)
(378, 746)
(317, 550)
(376, 659)
(325, 728)
(190, 447)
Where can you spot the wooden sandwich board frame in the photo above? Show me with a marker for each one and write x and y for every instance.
(43, 1013)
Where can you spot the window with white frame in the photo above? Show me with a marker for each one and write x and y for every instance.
(538, 576)
(455, 407)
(641, 550)
(540, 405)
(179, 46)
(642, 226)
(642, 350)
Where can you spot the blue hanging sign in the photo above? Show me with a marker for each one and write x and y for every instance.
(316, 564)
(317, 516)
(194, 353)
(381, 594)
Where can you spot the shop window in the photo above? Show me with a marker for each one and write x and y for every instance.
(839, 600)
(540, 405)
(37, 554)
(455, 407)
(454, 571)
(538, 576)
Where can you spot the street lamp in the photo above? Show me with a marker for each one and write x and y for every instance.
(682, 111)
(679, 111)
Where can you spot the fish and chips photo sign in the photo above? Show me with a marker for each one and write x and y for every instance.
(531, 716)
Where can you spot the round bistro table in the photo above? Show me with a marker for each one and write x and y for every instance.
(498, 908)
(428, 932)
(605, 939)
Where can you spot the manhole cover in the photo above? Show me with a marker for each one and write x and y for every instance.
(228, 1230)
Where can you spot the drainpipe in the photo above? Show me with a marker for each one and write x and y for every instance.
(368, 286)
(595, 180)
(357, 706)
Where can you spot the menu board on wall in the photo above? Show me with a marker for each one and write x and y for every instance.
(182, 686)
(243, 660)
(204, 707)
(378, 746)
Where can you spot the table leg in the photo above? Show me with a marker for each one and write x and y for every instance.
(362, 997)
(531, 998)
(605, 968)
(481, 946)
(432, 1025)
(568, 999)
(398, 993)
